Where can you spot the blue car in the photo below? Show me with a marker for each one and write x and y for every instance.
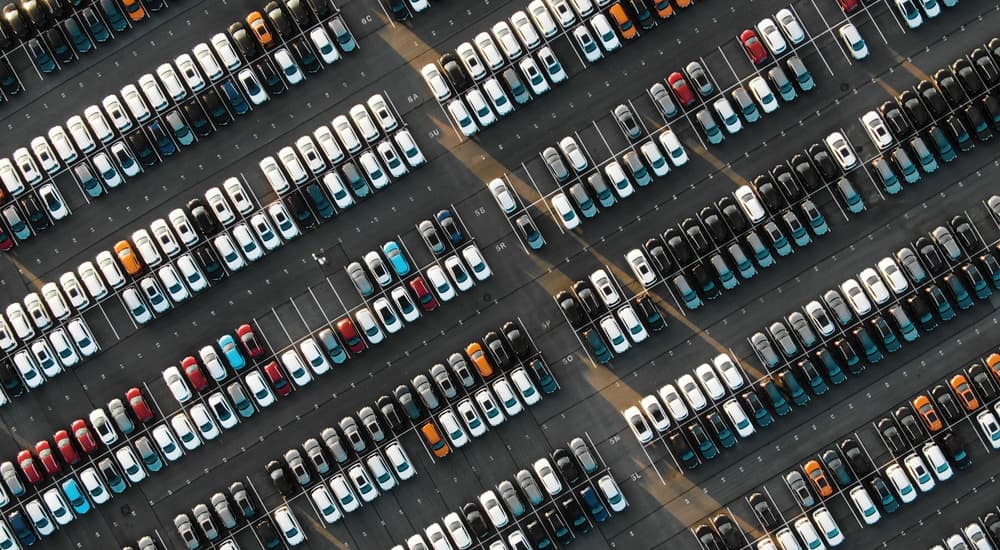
(22, 530)
(231, 352)
(75, 496)
(597, 346)
(114, 15)
(235, 98)
(447, 223)
(79, 38)
(95, 24)
(396, 258)
(43, 60)
(593, 504)
(530, 232)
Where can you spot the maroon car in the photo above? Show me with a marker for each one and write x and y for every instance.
(349, 334)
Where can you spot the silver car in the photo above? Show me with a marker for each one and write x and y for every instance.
(443, 380)
(422, 385)
(222, 510)
(555, 164)
(203, 517)
(360, 279)
(332, 442)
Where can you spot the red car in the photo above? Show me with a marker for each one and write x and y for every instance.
(139, 406)
(427, 300)
(681, 89)
(277, 379)
(6, 243)
(349, 334)
(849, 6)
(249, 340)
(84, 438)
(48, 459)
(192, 370)
(755, 50)
(28, 467)
(66, 448)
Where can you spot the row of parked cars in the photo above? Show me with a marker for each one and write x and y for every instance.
(41, 358)
(962, 98)
(983, 533)
(596, 306)
(369, 136)
(70, 496)
(566, 477)
(478, 80)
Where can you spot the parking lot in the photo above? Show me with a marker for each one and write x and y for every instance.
(302, 287)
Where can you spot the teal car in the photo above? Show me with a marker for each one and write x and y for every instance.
(855, 204)
(800, 73)
(709, 126)
(688, 294)
(397, 260)
(726, 276)
(721, 429)
(815, 380)
(231, 352)
(794, 389)
(830, 366)
(924, 155)
(532, 236)
(816, 219)
(868, 346)
(798, 231)
(778, 239)
(597, 346)
(975, 278)
(780, 81)
(744, 266)
(958, 291)
(906, 166)
(777, 399)
(904, 324)
(940, 302)
(75, 496)
(760, 251)
(943, 145)
(890, 182)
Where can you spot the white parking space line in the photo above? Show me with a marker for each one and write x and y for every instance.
(542, 198)
(810, 39)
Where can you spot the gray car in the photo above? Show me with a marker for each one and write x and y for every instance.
(908, 259)
(802, 329)
(836, 303)
(508, 493)
(555, 164)
(422, 385)
(700, 78)
(240, 399)
(116, 410)
(203, 517)
(146, 543)
(331, 439)
(636, 168)
(184, 528)
(242, 499)
(783, 338)
(745, 104)
(764, 350)
(314, 452)
(797, 484)
(293, 459)
(10, 479)
(222, 510)
(662, 100)
(431, 236)
(443, 380)
(360, 279)
(405, 399)
(947, 242)
(370, 421)
(349, 427)
(461, 369)
(530, 487)
(583, 455)
(627, 121)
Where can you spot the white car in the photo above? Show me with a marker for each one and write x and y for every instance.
(828, 526)
(937, 461)
(289, 526)
(977, 537)
(585, 40)
(525, 387)
(547, 475)
(323, 501)
(763, 94)
(931, 8)
(404, 302)
(909, 12)
(19, 321)
(203, 422)
(525, 29)
(534, 76)
(494, 510)
(182, 226)
(738, 418)
(439, 281)
(296, 368)
(892, 275)
(633, 326)
(728, 371)
(57, 506)
(164, 237)
(480, 107)
(206, 60)
(315, 161)
(228, 252)
(171, 82)
(654, 413)
(43, 151)
(459, 275)
(563, 12)
(103, 426)
(432, 76)
(292, 165)
(571, 149)
(275, 177)
(874, 285)
(224, 48)
(727, 115)
(11, 180)
(29, 372)
(654, 158)
(807, 532)
(876, 129)
(55, 301)
(36, 311)
(692, 393)
(287, 66)
(342, 126)
(853, 40)
(363, 122)
(219, 206)
(176, 384)
(283, 221)
(990, 428)
(452, 429)
(855, 297)
(252, 86)
(192, 274)
(864, 505)
(640, 267)
(147, 249)
(98, 124)
(136, 104)
(61, 142)
(675, 151)
(105, 168)
(411, 152)
(488, 50)
(265, 233)
(474, 258)
(502, 195)
(189, 72)
(113, 107)
(260, 389)
(64, 348)
(324, 45)
(39, 519)
(81, 134)
(335, 186)
(314, 357)
(750, 204)
(542, 18)
(380, 108)
(563, 209)
(771, 36)
(612, 493)
(26, 164)
(222, 411)
(460, 114)
(605, 33)
(126, 160)
(45, 358)
(507, 398)
(673, 401)
(344, 494)
(457, 531)
(710, 381)
(248, 245)
(171, 282)
(165, 440)
(154, 295)
(400, 461)
(602, 283)
(790, 25)
(154, 94)
(471, 418)
(83, 339)
(238, 195)
(507, 40)
(97, 491)
(373, 169)
(328, 144)
(130, 464)
(918, 472)
(494, 416)
(553, 68)
(368, 325)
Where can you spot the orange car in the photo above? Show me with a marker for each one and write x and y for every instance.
(259, 29)
(818, 478)
(923, 406)
(433, 438)
(683, 3)
(134, 10)
(479, 359)
(128, 258)
(993, 362)
(960, 384)
(663, 8)
(625, 25)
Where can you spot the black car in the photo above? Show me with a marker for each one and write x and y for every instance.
(806, 172)
(143, 149)
(992, 523)
(981, 380)
(785, 181)
(977, 122)
(297, 207)
(856, 457)
(16, 22)
(585, 294)
(267, 534)
(650, 313)
(892, 436)
(895, 120)
(949, 87)
(946, 404)
(536, 534)
(658, 256)
(932, 98)
(821, 158)
(517, 340)
(306, 58)
(847, 356)
(299, 12)
(319, 201)
(566, 465)
(678, 246)
(158, 135)
(35, 213)
(474, 519)
(697, 237)
(202, 218)
(955, 447)
(23, 532)
(734, 214)
(958, 127)
(764, 511)
(558, 527)
(571, 308)
(573, 513)
(909, 425)
(717, 228)
(835, 465)
(914, 108)
(277, 19)
(390, 413)
(731, 535)
(209, 263)
(769, 193)
(12, 385)
(967, 77)
(986, 67)
(270, 79)
(990, 105)
(197, 118)
(680, 448)
(455, 72)
(497, 348)
(321, 8)
(708, 538)
(398, 10)
(60, 49)
(245, 42)
(215, 107)
(281, 479)
(966, 234)
(930, 255)
(704, 282)
(8, 80)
